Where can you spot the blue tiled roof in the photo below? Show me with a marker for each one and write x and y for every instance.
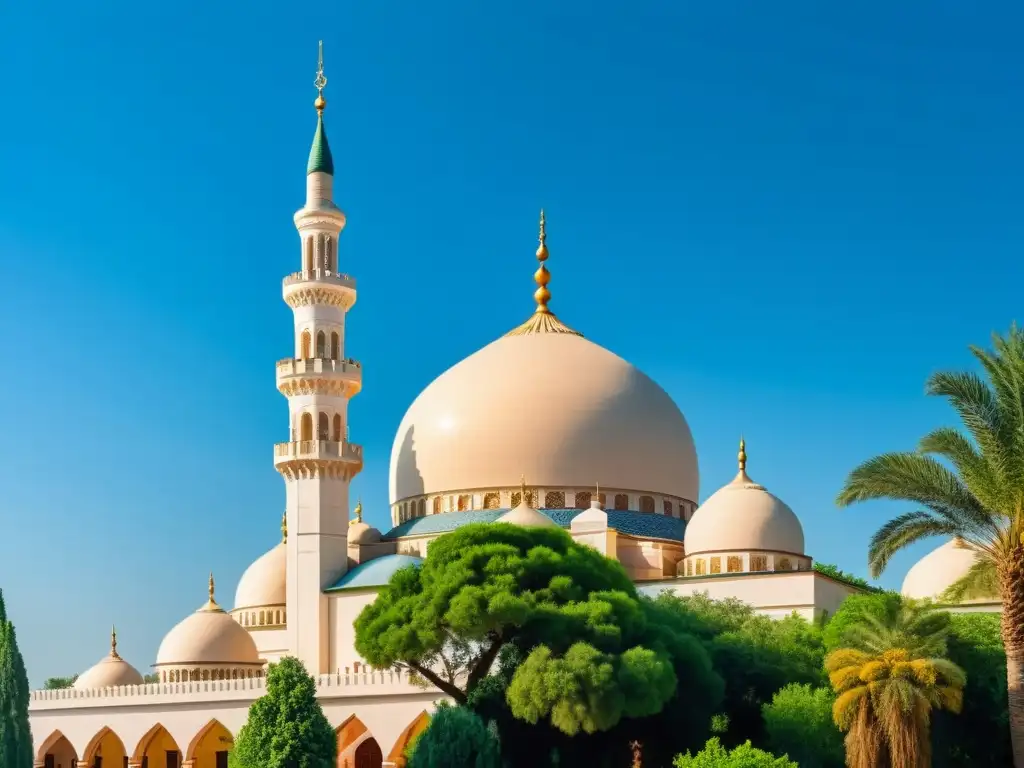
(374, 573)
(642, 524)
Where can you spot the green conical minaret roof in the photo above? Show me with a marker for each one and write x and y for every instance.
(320, 160)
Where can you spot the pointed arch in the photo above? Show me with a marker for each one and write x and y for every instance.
(368, 754)
(106, 744)
(211, 739)
(321, 344)
(155, 741)
(352, 734)
(306, 426)
(305, 345)
(412, 730)
(56, 743)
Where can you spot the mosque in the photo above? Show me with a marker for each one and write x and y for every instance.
(461, 454)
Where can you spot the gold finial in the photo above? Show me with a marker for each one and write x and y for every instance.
(543, 319)
(211, 602)
(742, 455)
(597, 494)
(637, 748)
(359, 511)
(522, 489)
(321, 81)
(284, 526)
(113, 642)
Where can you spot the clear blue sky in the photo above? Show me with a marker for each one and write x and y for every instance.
(788, 214)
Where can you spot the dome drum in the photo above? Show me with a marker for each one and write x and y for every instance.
(725, 562)
(261, 617)
(548, 497)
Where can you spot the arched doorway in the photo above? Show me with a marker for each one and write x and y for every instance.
(352, 734)
(57, 752)
(157, 749)
(368, 754)
(105, 750)
(209, 748)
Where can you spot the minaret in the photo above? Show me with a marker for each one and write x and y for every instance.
(317, 462)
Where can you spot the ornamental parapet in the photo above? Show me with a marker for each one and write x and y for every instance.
(322, 276)
(318, 449)
(300, 377)
(372, 683)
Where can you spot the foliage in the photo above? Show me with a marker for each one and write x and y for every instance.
(889, 680)
(152, 677)
(286, 727)
(15, 732)
(980, 734)
(456, 738)
(755, 655)
(833, 572)
(852, 611)
(55, 683)
(574, 613)
(798, 722)
(969, 484)
(714, 755)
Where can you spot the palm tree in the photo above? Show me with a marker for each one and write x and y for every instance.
(967, 484)
(888, 681)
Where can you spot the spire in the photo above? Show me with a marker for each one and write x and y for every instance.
(320, 160)
(596, 501)
(543, 319)
(211, 603)
(524, 498)
(113, 643)
(359, 513)
(741, 457)
(284, 526)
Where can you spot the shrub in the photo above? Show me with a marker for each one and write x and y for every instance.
(714, 755)
(798, 722)
(456, 738)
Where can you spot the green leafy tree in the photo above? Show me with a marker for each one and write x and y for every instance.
(755, 656)
(152, 677)
(833, 572)
(798, 723)
(15, 733)
(851, 614)
(714, 755)
(286, 727)
(55, 683)
(888, 682)
(574, 613)
(979, 735)
(456, 738)
(967, 483)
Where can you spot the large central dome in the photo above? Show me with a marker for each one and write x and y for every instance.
(554, 407)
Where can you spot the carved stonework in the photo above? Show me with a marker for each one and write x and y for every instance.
(309, 386)
(312, 469)
(322, 294)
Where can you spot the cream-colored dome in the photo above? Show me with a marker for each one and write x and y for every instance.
(937, 571)
(109, 672)
(363, 533)
(264, 582)
(552, 405)
(208, 636)
(741, 517)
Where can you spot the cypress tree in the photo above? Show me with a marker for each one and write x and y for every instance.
(15, 733)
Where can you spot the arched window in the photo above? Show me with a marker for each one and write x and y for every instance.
(582, 500)
(304, 346)
(321, 344)
(700, 566)
(263, 618)
(783, 564)
(492, 501)
(554, 500)
(335, 346)
(463, 503)
(666, 507)
(647, 504)
(758, 563)
(716, 564)
(307, 256)
(621, 501)
(306, 426)
(323, 428)
(437, 505)
(689, 567)
(337, 427)
(422, 508)
(734, 564)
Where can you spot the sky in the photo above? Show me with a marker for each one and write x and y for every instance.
(788, 214)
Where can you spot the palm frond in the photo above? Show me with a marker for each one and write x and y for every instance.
(900, 532)
(976, 405)
(981, 580)
(982, 479)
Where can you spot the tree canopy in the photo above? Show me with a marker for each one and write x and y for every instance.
(15, 733)
(798, 723)
(714, 755)
(456, 738)
(286, 727)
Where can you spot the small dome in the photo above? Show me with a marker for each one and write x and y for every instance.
(362, 533)
(937, 571)
(526, 516)
(264, 582)
(109, 672)
(208, 636)
(742, 517)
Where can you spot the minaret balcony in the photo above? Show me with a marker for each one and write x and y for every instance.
(311, 287)
(318, 450)
(318, 374)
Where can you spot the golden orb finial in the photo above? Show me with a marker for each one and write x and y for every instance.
(742, 455)
(359, 511)
(113, 642)
(284, 526)
(321, 81)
